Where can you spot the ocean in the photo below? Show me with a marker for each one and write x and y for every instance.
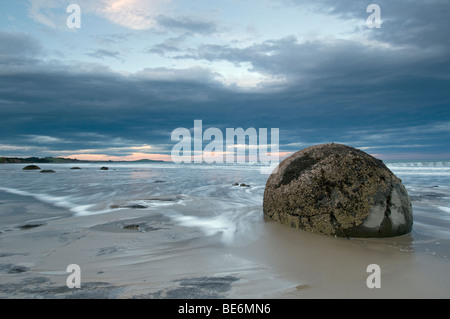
(209, 200)
(206, 192)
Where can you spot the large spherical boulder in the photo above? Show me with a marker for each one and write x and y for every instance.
(340, 191)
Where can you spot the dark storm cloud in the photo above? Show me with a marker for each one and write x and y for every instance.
(112, 111)
(62, 110)
(416, 23)
(342, 70)
(389, 97)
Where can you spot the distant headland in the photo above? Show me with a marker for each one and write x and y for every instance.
(12, 160)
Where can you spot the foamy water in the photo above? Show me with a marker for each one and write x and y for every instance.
(203, 196)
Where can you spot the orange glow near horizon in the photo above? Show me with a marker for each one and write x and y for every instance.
(128, 158)
(140, 156)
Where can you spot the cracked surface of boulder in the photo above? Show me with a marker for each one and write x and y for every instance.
(338, 190)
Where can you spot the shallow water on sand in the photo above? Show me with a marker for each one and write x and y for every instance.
(187, 208)
(212, 201)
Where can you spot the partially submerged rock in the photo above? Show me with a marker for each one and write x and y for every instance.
(31, 168)
(165, 198)
(47, 171)
(21, 267)
(241, 185)
(31, 224)
(132, 206)
(338, 190)
(131, 227)
(141, 227)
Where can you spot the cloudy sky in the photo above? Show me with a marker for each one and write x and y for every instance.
(136, 70)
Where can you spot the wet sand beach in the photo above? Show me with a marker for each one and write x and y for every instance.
(135, 253)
